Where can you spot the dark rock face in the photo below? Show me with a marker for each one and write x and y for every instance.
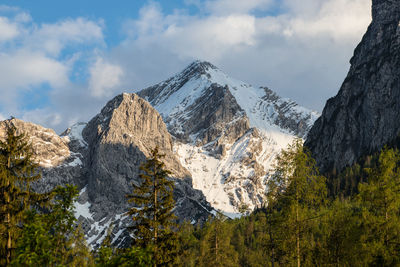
(289, 115)
(364, 116)
(210, 113)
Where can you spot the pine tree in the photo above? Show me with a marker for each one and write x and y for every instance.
(380, 202)
(52, 238)
(339, 236)
(188, 245)
(297, 191)
(153, 218)
(216, 248)
(17, 172)
(270, 231)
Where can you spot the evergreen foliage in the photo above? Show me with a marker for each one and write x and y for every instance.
(298, 225)
(337, 242)
(17, 172)
(380, 215)
(109, 256)
(216, 248)
(188, 245)
(153, 219)
(52, 238)
(297, 192)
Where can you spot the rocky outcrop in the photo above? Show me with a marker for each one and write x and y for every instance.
(364, 115)
(119, 139)
(49, 149)
(58, 163)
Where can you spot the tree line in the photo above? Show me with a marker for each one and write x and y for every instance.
(300, 223)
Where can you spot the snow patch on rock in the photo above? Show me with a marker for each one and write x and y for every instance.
(75, 133)
(82, 209)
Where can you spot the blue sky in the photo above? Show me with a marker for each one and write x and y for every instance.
(114, 14)
(61, 61)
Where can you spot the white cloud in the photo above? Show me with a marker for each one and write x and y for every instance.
(151, 21)
(303, 50)
(23, 72)
(342, 20)
(35, 56)
(210, 38)
(8, 30)
(53, 38)
(24, 68)
(104, 78)
(34, 60)
(189, 36)
(45, 117)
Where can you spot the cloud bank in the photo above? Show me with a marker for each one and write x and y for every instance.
(300, 49)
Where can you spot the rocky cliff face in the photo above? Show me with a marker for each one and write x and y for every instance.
(119, 139)
(364, 115)
(226, 132)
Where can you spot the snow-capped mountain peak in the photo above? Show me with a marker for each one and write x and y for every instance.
(264, 108)
(226, 132)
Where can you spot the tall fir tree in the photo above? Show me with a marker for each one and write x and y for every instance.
(188, 250)
(380, 215)
(215, 247)
(297, 191)
(153, 218)
(17, 172)
(338, 236)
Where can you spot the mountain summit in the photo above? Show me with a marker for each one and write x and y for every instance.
(185, 94)
(226, 132)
